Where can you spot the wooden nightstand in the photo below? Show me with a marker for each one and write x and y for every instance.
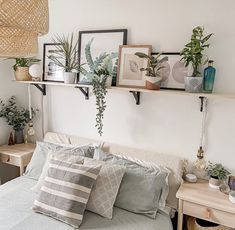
(17, 155)
(200, 201)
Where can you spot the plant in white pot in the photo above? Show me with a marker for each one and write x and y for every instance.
(100, 74)
(67, 57)
(217, 174)
(153, 75)
(193, 57)
(21, 68)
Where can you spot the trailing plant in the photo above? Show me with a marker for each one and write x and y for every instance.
(193, 51)
(15, 115)
(66, 55)
(24, 62)
(154, 64)
(217, 171)
(103, 62)
(99, 70)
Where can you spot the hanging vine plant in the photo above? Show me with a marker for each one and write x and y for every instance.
(99, 70)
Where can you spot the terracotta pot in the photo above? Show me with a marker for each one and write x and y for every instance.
(214, 182)
(22, 74)
(153, 83)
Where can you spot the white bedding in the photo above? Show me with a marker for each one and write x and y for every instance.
(16, 200)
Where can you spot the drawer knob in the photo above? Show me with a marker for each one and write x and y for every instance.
(8, 159)
(208, 213)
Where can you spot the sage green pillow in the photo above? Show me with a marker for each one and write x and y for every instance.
(141, 187)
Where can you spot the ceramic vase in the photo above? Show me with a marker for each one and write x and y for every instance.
(69, 77)
(153, 83)
(19, 137)
(193, 84)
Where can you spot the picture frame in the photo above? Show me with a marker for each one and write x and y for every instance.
(104, 41)
(129, 65)
(174, 72)
(231, 183)
(51, 72)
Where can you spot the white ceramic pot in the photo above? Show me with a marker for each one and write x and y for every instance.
(109, 81)
(22, 74)
(193, 84)
(153, 83)
(69, 77)
(214, 183)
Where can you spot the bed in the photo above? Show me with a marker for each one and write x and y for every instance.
(16, 198)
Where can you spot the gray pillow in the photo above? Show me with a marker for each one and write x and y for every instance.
(35, 167)
(141, 187)
(66, 190)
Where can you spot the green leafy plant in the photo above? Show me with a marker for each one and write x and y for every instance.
(99, 70)
(66, 52)
(103, 62)
(15, 116)
(24, 62)
(217, 171)
(154, 64)
(193, 51)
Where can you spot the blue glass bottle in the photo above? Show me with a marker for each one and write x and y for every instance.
(209, 78)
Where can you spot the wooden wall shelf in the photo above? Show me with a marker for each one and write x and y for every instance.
(85, 89)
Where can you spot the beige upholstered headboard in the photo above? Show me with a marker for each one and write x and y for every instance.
(173, 163)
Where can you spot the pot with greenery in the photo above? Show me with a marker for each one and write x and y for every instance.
(21, 68)
(16, 116)
(153, 75)
(217, 174)
(100, 73)
(67, 57)
(193, 56)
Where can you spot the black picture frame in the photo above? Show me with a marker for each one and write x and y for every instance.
(170, 54)
(45, 58)
(92, 33)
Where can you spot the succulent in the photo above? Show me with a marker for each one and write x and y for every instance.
(154, 64)
(217, 171)
(193, 51)
(67, 52)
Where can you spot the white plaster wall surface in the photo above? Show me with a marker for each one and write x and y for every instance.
(169, 124)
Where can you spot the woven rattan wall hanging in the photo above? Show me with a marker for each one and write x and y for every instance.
(21, 22)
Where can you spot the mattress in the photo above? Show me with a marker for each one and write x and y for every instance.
(16, 200)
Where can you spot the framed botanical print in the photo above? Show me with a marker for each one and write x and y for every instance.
(52, 72)
(104, 41)
(129, 74)
(173, 72)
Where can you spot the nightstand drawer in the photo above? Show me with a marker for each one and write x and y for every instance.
(209, 214)
(12, 160)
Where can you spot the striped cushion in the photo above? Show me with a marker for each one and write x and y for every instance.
(66, 190)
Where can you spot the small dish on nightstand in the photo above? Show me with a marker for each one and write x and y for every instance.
(232, 197)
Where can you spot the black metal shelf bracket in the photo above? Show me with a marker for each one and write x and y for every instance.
(136, 95)
(85, 91)
(42, 88)
(202, 102)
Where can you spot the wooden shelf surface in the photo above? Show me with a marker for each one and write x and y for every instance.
(160, 92)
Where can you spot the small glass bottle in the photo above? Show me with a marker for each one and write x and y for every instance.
(209, 78)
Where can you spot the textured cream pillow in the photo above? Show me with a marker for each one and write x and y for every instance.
(105, 189)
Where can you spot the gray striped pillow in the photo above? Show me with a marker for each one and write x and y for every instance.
(66, 190)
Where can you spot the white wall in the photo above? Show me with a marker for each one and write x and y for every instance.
(7, 89)
(168, 124)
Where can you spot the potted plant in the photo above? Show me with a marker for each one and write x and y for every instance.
(193, 57)
(66, 58)
(153, 76)
(21, 68)
(100, 74)
(217, 174)
(15, 116)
